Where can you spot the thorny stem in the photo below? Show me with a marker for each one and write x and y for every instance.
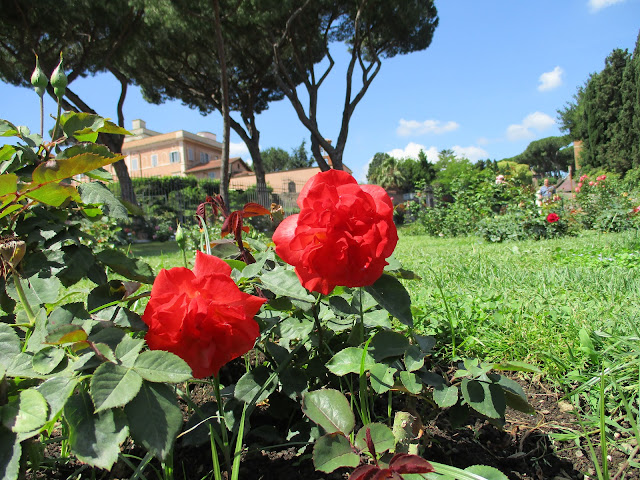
(55, 129)
(23, 299)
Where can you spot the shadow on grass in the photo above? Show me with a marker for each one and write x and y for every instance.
(154, 249)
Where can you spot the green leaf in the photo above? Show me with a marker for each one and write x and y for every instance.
(26, 413)
(46, 359)
(66, 334)
(413, 358)
(381, 435)
(95, 438)
(381, 377)
(55, 170)
(53, 194)
(128, 350)
(9, 344)
(513, 393)
(7, 129)
(386, 344)
(7, 152)
(56, 390)
(377, 318)
(516, 366)
(411, 382)
(8, 183)
(160, 366)
(486, 472)
(285, 283)
(96, 193)
(130, 268)
(333, 451)
(485, 398)
(445, 396)
(392, 296)
(46, 288)
(330, 409)
(154, 418)
(250, 384)
(349, 360)
(113, 386)
(9, 454)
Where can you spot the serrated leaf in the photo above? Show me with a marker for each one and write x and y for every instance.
(95, 438)
(131, 268)
(55, 170)
(285, 283)
(413, 358)
(381, 435)
(445, 396)
(66, 334)
(9, 344)
(56, 390)
(8, 183)
(411, 382)
(393, 297)
(97, 194)
(485, 398)
(381, 377)
(10, 454)
(250, 384)
(26, 413)
(330, 409)
(154, 418)
(387, 344)
(46, 359)
(161, 366)
(333, 451)
(53, 194)
(349, 360)
(113, 386)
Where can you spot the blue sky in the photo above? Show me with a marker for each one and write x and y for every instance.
(491, 82)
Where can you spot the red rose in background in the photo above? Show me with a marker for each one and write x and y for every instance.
(201, 315)
(553, 217)
(342, 235)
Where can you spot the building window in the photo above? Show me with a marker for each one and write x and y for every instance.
(154, 160)
(134, 163)
(174, 157)
(204, 157)
(190, 155)
(212, 175)
(292, 187)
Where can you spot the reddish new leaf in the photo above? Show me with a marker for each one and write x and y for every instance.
(386, 473)
(370, 444)
(405, 463)
(252, 209)
(364, 472)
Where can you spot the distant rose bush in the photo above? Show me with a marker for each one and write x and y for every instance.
(342, 235)
(553, 217)
(201, 315)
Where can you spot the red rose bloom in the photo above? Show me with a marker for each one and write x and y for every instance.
(342, 235)
(201, 315)
(553, 217)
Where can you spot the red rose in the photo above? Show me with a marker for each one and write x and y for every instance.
(342, 235)
(201, 315)
(552, 218)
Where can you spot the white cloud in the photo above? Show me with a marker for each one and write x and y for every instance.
(414, 127)
(471, 152)
(412, 150)
(483, 141)
(537, 121)
(239, 150)
(550, 80)
(596, 5)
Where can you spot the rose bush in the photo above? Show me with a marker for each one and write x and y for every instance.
(201, 315)
(342, 235)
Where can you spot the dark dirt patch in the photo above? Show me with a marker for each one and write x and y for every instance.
(523, 449)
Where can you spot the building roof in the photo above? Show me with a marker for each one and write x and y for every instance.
(217, 164)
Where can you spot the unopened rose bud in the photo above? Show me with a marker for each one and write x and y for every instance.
(12, 251)
(39, 79)
(59, 79)
(181, 238)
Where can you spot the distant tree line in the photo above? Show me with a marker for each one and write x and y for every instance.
(605, 114)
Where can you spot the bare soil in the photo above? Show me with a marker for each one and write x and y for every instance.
(523, 449)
